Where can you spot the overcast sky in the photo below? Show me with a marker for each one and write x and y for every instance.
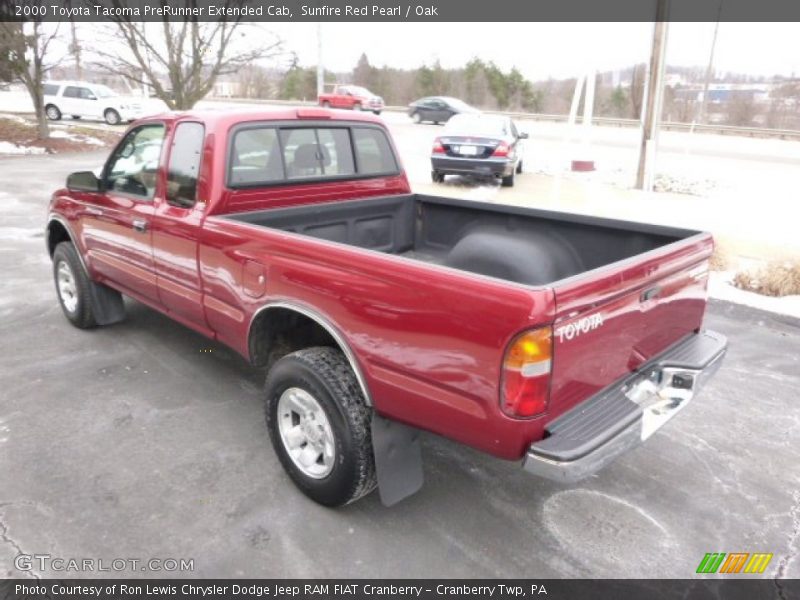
(541, 50)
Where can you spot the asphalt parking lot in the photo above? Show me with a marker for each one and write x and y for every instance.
(144, 440)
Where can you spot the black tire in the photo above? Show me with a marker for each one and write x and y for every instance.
(76, 116)
(416, 117)
(52, 112)
(377, 112)
(112, 117)
(509, 181)
(81, 315)
(437, 177)
(519, 167)
(326, 104)
(325, 374)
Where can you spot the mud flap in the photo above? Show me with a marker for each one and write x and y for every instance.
(398, 459)
(107, 304)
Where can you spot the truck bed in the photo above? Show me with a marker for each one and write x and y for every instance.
(523, 245)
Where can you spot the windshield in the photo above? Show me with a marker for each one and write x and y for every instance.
(102, 91)
(459, 104)
(475, 124)
(360, 91)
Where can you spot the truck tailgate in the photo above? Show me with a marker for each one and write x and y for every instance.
(611, 320)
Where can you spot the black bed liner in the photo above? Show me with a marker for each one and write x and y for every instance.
(524, 245)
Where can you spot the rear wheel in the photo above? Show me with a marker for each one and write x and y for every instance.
(437, 177)
(320, 426)
(112, 117)
(509, 181)
(52, 112)
(377, 112)
(76, 116)
(326, 104)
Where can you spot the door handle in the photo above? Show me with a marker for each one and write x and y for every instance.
(140, 225)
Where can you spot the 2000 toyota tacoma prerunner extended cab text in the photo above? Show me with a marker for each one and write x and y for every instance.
(293, 237)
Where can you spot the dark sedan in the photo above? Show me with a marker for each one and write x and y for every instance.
(438, 109)
(477, 144)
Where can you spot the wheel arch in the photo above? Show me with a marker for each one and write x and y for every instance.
(57, 231)
(282, 327)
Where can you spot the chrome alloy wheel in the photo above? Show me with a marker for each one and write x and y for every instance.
(67, 287)
(306, 433)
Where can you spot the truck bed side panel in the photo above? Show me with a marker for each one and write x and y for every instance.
(429, 340)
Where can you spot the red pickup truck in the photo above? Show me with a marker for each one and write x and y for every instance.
(351, 97)
(293, 237)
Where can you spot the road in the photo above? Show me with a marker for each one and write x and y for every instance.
(734, 175)
(144, 440)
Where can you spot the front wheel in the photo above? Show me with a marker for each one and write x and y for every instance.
(519, 167)
(416, 117)
(72, 286)
(112, 117)
(326, 104)
(377, 112)
(85, 303)
(320, 426)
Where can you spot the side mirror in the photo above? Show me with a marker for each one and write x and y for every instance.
(523, 135)
(83, 181)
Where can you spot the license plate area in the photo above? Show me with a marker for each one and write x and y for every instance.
(468, 150)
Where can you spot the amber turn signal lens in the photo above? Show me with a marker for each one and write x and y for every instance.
(526, 374)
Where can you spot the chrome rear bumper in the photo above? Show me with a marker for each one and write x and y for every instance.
(623, 415)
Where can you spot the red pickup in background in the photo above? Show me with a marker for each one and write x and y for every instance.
(351, 97)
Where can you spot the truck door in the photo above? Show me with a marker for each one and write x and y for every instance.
(117, 225)
(176, 224)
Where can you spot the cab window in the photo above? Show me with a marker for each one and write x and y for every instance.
(133, 167)
(373, 153)
(184, 164)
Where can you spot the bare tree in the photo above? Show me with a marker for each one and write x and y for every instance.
(181, 61)
(24, 58)
(741, 109)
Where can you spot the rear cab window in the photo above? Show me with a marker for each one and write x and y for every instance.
(268, 154)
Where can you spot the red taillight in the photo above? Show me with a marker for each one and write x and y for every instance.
(502, 149)
(437, 147)
(525, 384)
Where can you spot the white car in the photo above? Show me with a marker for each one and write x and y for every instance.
(81, 99)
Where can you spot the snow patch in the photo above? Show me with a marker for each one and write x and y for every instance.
(9, 148)
(720, 286)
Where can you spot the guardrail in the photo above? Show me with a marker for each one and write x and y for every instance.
(754, 132)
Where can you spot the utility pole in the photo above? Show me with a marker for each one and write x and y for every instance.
(654, 96)
(320, 67)
(709, 70)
